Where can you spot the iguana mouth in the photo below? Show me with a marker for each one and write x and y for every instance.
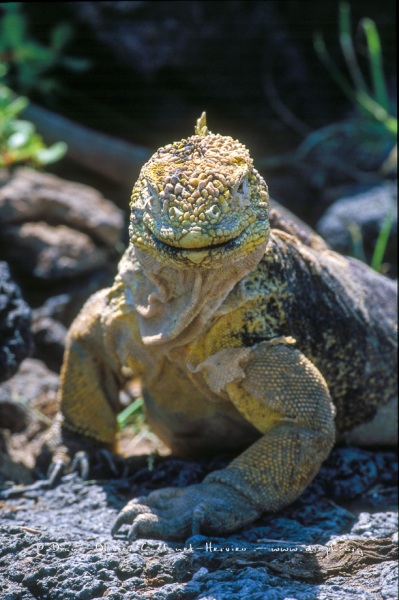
(227, 245)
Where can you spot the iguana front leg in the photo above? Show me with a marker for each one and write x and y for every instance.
(282, 393)
(91, 378)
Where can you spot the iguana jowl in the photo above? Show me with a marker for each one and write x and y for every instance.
(246, 338)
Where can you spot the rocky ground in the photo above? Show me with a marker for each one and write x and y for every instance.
(339, 540)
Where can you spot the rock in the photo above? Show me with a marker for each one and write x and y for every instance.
(49, 336)
(63, 535)
(383, 524)
(54, 308)
(15, 321)
(52, 252)
(28, 405)
(13, 416)
(56, 229)
(33, 386)
(29, 195)
(60, 233)
(349, 472)
(366, 212)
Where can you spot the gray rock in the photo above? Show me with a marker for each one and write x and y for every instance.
(366, 211)
(29, 195)
(31, 383)
(29, 403)
(13, 416)
(55, 229)
(52, 252)
(63, 535)
(383, 524)
(15, 325)
(49, 335)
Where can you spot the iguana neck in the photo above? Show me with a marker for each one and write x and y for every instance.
(173, 305)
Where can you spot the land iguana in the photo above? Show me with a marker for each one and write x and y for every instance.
(248, 338)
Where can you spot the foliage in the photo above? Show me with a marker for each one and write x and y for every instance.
(382, 242)
(19, 142)
(132, 415)
(373, 104)
(366, 142)
(380, 247)
(361, 148)
(374, 110)
(30, 62)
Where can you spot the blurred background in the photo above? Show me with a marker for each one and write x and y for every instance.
(143, 71)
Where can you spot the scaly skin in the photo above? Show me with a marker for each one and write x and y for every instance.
(246, 339)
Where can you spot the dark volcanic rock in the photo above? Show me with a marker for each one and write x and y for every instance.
(13, 416)
(49, 336)
(56, 544)
(15, 321)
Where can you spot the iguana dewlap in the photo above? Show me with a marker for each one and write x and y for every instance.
(247, 339)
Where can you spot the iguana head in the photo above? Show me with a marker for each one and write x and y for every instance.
(199, 201)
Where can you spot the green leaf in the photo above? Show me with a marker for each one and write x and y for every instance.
(51, 154)
(3, 69)
(129, 411)
(14, 28)
(382, 241)
(35, 55)
(16, 106)
(331, 66)
(375, 60)
(76, 64)
(348, 50)
(5, 96)
(357, 241)
(60, 36)
(22, 126)
(18, 140)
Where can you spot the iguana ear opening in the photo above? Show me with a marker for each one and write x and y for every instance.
(201, 127)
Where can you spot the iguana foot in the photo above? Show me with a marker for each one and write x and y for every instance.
(57, 468)
(81, 465)
(176, 513)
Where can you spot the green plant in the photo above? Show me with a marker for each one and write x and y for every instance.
(363, 147)
(19, 142)
(382, 242)
(372, 103)
(380, 247)
(132, 415)
(30, 62)
(367, 141)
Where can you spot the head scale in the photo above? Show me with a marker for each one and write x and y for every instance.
(199, 202)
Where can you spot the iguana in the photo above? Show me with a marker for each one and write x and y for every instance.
(247, 338)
